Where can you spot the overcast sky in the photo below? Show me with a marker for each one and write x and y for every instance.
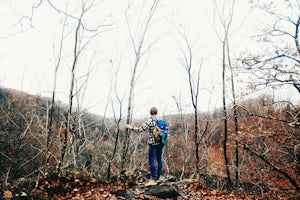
(29, 40)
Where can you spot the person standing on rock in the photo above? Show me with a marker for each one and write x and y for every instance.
(155, 147)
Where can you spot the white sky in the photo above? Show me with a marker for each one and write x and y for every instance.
(27, 54)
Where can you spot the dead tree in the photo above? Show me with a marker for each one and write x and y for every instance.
(139, 51)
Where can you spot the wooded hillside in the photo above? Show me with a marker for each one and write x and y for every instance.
(225, 75)
(268, 141)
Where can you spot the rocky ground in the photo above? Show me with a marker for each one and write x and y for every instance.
(181, 190)
(176, 190)
(78, 186)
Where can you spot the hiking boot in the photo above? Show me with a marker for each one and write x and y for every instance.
(158, 181)
(151, 182)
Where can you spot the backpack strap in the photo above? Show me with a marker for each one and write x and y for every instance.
(153, 129)
(153, 121)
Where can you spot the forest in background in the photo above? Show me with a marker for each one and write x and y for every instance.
(249, 143)
(268, 142)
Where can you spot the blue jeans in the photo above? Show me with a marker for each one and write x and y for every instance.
(155, 152)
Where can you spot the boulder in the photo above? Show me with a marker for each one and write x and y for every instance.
(162, 191)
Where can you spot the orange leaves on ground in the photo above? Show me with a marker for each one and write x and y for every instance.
(283, 184)
(53, 186)
(8, 194)
(215, 160)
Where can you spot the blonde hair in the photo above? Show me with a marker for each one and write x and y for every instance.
(153, 111)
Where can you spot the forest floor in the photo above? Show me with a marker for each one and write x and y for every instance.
(79, 187)
(191, 191)
(109, 192)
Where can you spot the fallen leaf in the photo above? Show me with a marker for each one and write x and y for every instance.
(7, 194)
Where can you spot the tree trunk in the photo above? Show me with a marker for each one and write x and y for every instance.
(52, 105)
(225, 117)
(236, 124)
(68, 124)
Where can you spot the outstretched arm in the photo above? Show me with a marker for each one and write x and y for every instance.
(144, 127)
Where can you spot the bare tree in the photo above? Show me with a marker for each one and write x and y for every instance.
(80, 43)
(117, 115)
(277, 65)
(183, 126)
(76, 23)
(278, 62)
(193, 72)
(235, 117)
(71, 95)
(51, 109)
(137, 42)
(225, 17)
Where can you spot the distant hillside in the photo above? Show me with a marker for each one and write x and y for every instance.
(23, 99)
(25, 132)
